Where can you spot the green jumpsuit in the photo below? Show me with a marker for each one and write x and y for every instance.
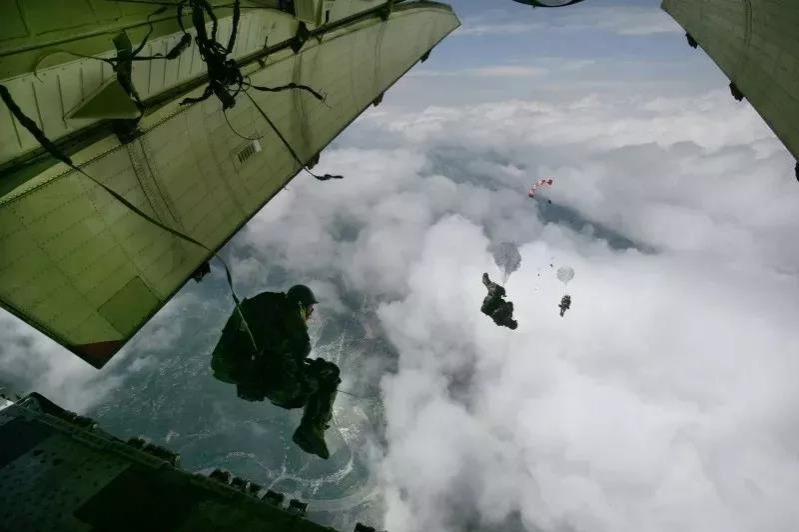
(277, 367)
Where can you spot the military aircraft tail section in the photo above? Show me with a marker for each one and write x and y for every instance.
(89, 271)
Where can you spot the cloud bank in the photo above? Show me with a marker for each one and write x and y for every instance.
(663, 400)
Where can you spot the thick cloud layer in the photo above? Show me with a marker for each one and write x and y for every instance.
(662, 401)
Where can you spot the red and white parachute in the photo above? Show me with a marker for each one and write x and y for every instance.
(540, 183)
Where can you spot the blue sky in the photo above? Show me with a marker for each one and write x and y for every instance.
(574, 49)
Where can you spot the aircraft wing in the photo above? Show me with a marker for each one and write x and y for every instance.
(89, 272)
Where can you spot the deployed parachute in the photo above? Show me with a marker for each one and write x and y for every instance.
(540, 183)
(77, 261)
(565, 274)
(507, 258)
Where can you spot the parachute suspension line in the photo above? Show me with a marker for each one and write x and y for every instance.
(122, 63)
(32, 128)
(224, 112)
(222, 73)
(149, 31)
(176, 50)
(224, 77)
(237, 303)
(39, 135)
(285, 142)
(290, 86)
(365, 397)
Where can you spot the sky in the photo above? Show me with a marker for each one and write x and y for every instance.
(665, 399)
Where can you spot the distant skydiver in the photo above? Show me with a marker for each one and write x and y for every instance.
(495, 307)
(565, 303)
(277, 367)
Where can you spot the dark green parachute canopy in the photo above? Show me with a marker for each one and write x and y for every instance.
(79, 264)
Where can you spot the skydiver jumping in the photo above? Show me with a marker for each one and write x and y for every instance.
(565, 303)
(276, 366)
(495, 307)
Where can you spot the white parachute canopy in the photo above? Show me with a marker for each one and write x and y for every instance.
(507, 258)
(565, 274)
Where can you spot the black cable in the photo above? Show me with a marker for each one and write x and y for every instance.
(290, 86)
(32, 128)
(215, 22)
(224, 112)
(223, 73)
(324, 177)
(39, 135)
(115, 62)
(368, 398)
(234, 28)
(149, 31)
(180, 6)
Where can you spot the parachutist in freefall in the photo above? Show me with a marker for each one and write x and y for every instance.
(565, 303)
(265, 356)
(495, 307)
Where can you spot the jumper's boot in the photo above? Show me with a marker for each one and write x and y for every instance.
(310, 435)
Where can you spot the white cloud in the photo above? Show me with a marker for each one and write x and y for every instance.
(475, 28)
(623, 20)
(31, 362)
(500, 71)
(662, 401)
